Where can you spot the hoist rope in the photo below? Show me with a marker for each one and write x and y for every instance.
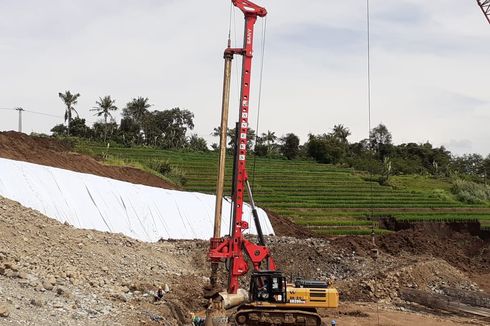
(259, 99)
(371, 213)
(229, 23)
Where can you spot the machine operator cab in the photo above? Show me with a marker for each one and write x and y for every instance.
(268, 286)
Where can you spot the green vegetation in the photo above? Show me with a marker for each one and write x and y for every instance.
(471, 192)
(326, 198)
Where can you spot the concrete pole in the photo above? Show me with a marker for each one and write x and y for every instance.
(20, 118)
(222, 145)
(222, 160)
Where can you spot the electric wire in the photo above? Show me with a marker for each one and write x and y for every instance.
(42, 113)
(259, 98)
(34, 112)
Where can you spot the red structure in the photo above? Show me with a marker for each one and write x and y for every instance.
(485, 7)
(231, 249)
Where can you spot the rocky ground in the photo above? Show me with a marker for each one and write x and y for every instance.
(54, 274)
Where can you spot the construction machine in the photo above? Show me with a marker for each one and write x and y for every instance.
(271, 299)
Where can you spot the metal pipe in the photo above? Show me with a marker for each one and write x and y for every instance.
(255, 214)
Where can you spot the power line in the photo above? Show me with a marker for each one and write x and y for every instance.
(34, 112)
(46, 114)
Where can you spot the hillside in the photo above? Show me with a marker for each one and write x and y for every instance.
(328, 199)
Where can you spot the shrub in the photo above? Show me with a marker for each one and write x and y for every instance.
(470, 192)
(440, 194)
(166, 169)
(160, 166)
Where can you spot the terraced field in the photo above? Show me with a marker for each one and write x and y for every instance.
(328, 199)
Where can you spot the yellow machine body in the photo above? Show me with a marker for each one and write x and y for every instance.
(311, 297)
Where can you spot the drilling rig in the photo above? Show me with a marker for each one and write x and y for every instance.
(271, 299)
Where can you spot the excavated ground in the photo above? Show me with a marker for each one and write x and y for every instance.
(54, 274)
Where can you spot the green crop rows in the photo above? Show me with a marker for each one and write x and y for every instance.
(328, 199)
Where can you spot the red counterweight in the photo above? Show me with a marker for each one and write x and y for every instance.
(231, 249)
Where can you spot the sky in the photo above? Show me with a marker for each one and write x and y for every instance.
(429, 64)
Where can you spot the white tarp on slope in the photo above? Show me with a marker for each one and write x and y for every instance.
(92, 202)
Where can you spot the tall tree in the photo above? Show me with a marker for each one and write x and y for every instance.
(326, 148)
(173, 125)
(270, 138)
(104, 107)
(137, 109)
(70, 100)
(380, 140)
(290, 146)
(486, 167)
(197, 143)
(341, 133)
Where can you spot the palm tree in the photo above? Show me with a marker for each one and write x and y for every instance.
(341, 133)
(270, 137)
(104, 107)
(70, 100)
(137, 109)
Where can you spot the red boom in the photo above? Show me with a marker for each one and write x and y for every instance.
(232, 248)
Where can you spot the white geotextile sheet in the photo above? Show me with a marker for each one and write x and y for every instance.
(91, 202)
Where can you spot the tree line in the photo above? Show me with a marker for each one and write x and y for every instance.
(172, 129)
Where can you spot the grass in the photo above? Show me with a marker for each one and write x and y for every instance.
(326, 198)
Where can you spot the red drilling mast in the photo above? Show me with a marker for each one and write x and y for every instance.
(485, 7)
(231, 249)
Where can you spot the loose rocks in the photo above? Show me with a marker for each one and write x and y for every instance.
(4, 311)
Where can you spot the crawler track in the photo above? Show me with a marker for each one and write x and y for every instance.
(254, 316)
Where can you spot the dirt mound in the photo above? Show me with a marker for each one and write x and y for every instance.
(463, 250)
(437, 241)
(52, 152)
(285, 227)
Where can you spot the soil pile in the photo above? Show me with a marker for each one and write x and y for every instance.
(52, 152)
(464, 251)
(285, 227)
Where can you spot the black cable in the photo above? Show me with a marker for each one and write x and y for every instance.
(42, 113)
(264, 28)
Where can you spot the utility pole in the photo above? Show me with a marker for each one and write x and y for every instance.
(20, 117)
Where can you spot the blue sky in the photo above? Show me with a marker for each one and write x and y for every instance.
(429, 64)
